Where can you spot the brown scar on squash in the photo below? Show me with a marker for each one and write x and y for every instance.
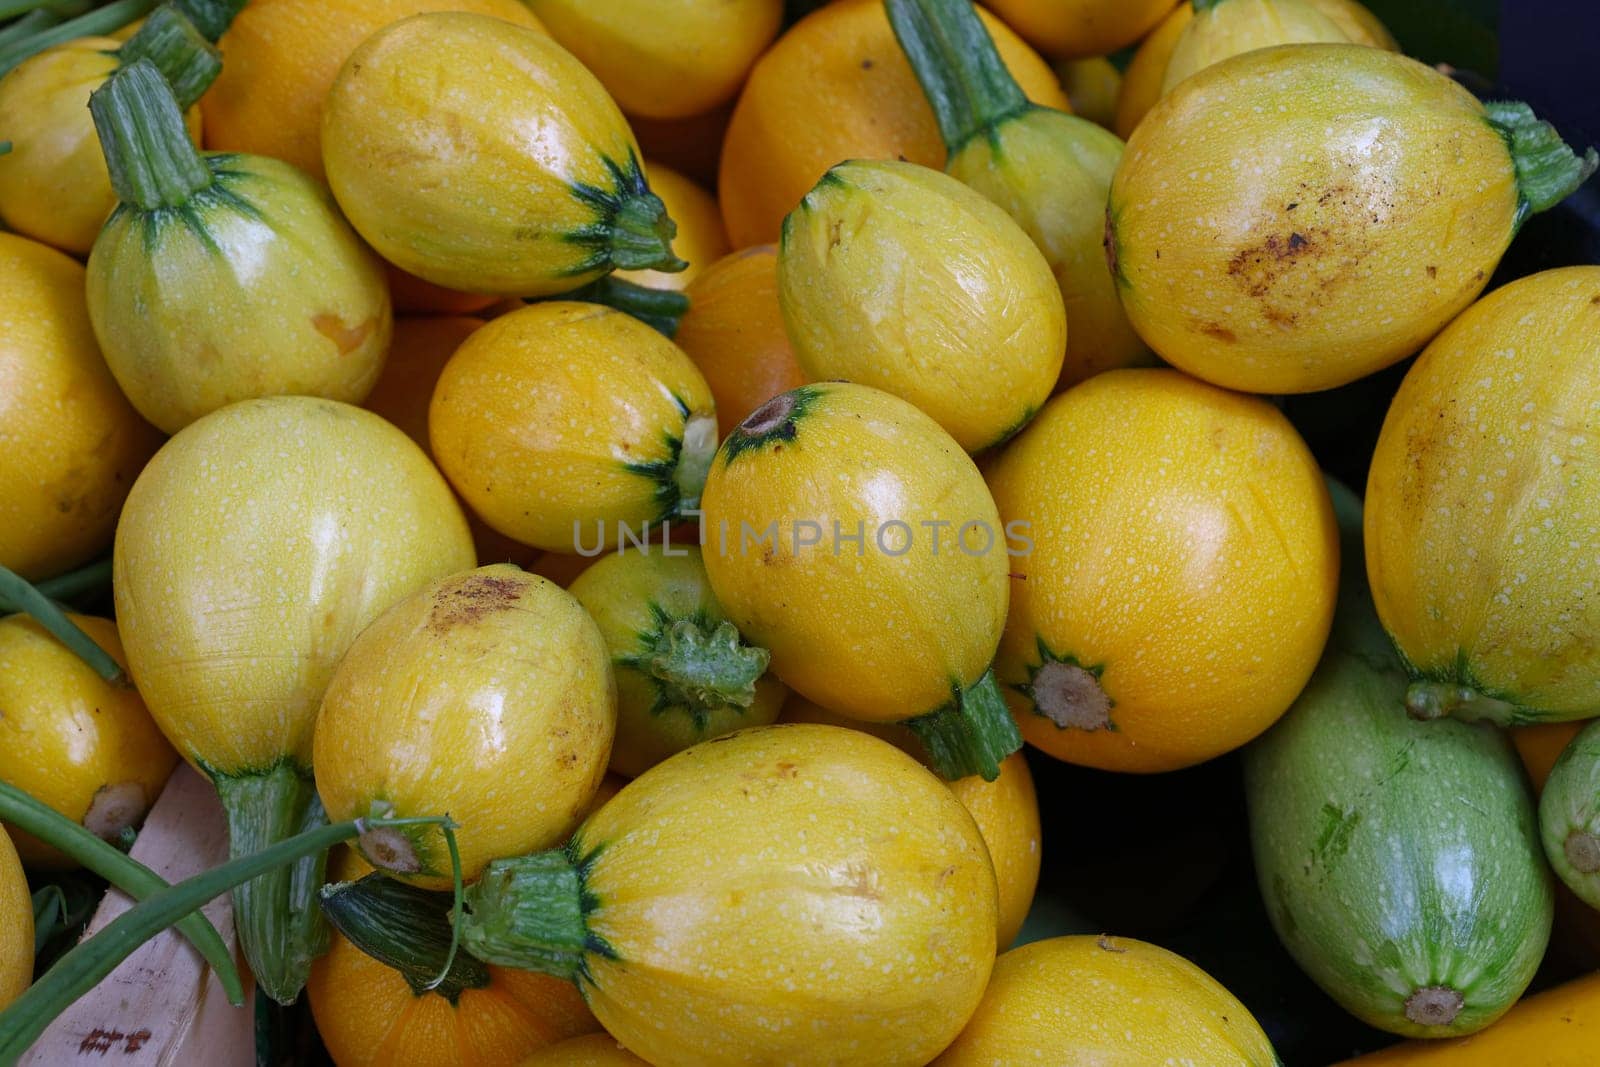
(470, 599)
(1106, 944)
(1220, 332)
(346, 338)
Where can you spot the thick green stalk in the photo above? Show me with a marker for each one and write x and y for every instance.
(971, 734)
(700, 667)
(956, 62)
(660, 309)
(96, 23)
(528, 912)
(407, 928)
(212, 17)
(188, 61)
(152, 162)
(641, 234)
(129, 875)
(14, 591)
(280, 926)
(1548, 171)
(82, 968)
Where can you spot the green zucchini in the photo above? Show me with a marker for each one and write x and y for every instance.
(1569, 815)
(1399, 860)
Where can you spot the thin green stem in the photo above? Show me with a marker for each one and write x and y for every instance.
(956, 63)
(96, 23)
(14, 590)
(170, 41)
(129, 875)
(92, 578)
(660, 309)
(26, 27)
(61, 9)
(84, 966)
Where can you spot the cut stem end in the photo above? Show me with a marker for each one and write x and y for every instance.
(1434, 1005)
(971, 734)
(1583, 851)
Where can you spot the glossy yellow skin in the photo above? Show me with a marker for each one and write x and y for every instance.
(805, 894)
(1184, 547)
(1233, 27)
(1051, 173)
(539, 414)
(453, 142)
(701, 240)
(190, 322)
(253, 549)
(70, 443)
(898, 277)
(874, 636)
(665, 59)
(281, 56)
(1006, 811)
(1298, 249)
(16, 926)
(622, 593)
(367, 1015)
(1497, 423)
(72, 740)
(487, 696)
(1106, 1002)
(1076, 28)
(591, 1050)
(53, 183)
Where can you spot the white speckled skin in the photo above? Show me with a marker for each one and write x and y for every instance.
(784, 895)
(1483, 514)
(254, 547)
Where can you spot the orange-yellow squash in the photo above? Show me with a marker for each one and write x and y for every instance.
(72, 740)
(16, 926)
(1181, 579)
(1106, 1002)
(76, 442)
(591, 1050)
(1081, 27)
(806, 891)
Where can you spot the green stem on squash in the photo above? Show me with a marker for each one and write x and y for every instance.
(129, 875)
(97, 23)
(971, 734)
(1427, 700)
(280, 927)
(1548, 171)
(958, 67)
(15, 591)
(26, 26)
(529, 912)
(700, 667)
(695, 452)
(188, 61)
(152, 162)
(407, 928)
(85, 965)
(660, 309)
(641, 234)
(212, 17)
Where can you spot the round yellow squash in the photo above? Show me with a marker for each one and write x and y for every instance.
(481, 156)
(1480, 512)
(591, 1050)
(16, 926)
(73, 442)
(1006, 811)
(72, 740)
(806, 891)
(665, 59)
(1295, 218)
(1229, 28)
(850, 536)
(684, 673)
(899, 277)
(487, 696)
(1102, 1001)
(1076, 28)
(1182, 572)
(53, 183)
(568, 426)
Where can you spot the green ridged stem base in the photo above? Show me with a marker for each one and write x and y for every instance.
(641, 234)
(1548, 171)
(528, 912)
(281, 929)
(971, 734)
(408, 929)
(176, 48)
(699, 667)
(152, 162)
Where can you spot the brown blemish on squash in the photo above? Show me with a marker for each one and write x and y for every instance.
(1583, 851)
(1434, 1005)
(1071, 697)
(1107, 945)
(1220, 332)
(1433, 272)
(345, 338)
(470, 599)
(1260, 266)
(1109, 242)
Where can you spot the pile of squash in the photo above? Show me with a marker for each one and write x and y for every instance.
(612, 615)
